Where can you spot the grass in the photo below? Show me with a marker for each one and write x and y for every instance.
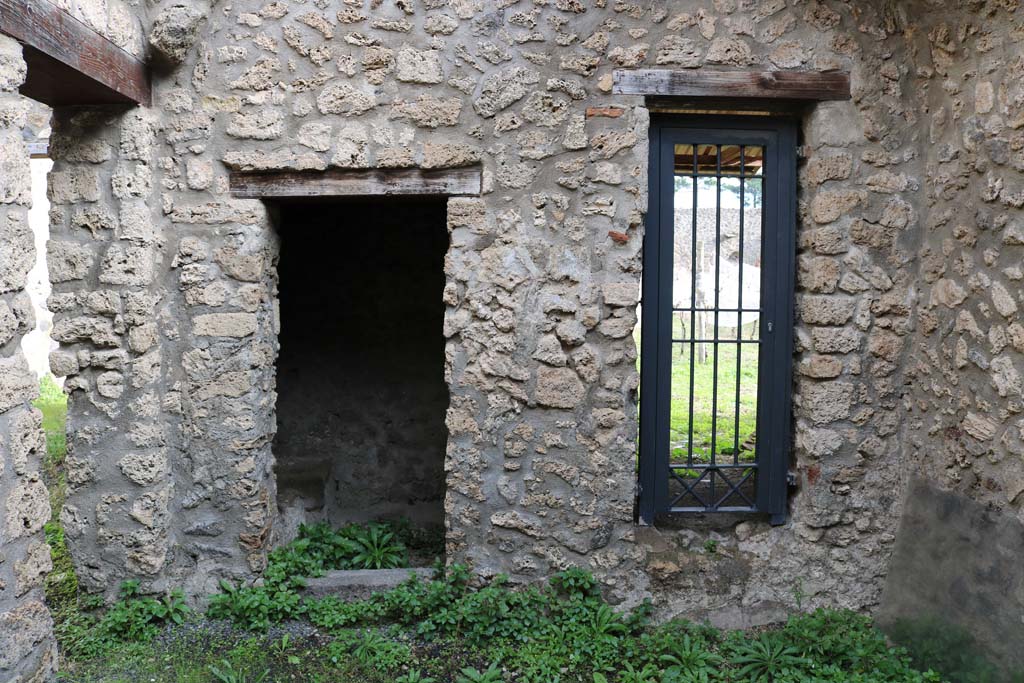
(190, 654)
(711, 414)
(561, 633)
(62, 583)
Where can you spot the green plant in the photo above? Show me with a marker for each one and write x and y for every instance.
(414, 676)
(377, 548)
(317, 549)
(281, 648)
(136, 618)
(799, 594)
(765, 659)
(711, 546)
(370, 649)
(491, 674)
(647, 674)
(690, 653)
(225, 672)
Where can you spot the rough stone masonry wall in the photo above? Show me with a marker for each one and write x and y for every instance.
(542, 282)
(160, 348)
(27, 650)
(965, 428)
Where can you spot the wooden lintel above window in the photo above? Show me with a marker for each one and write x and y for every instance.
(726, 85)
(398, 182)
(68, 62)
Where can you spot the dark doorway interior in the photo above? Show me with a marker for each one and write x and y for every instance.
(361, 390)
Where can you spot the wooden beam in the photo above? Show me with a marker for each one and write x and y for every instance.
(408, 182)
(68, 62)
(719, 84)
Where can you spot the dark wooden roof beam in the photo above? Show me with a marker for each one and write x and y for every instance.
(380, 182)
(68, 62)
(728, 84)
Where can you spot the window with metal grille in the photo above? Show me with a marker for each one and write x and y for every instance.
(717, 317)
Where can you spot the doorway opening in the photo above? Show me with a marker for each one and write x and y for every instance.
(362, 395)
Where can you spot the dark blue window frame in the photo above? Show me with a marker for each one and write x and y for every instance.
(774, 392)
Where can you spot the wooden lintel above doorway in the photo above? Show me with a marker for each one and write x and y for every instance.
(68, 62)
(734, 84)
(378, 182)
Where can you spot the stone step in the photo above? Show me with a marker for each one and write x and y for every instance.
(359, 584)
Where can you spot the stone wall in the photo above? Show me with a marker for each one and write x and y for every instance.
(964, 422)
(27, 651)
(166, 286)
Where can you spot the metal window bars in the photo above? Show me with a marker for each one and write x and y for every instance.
(706, 481)
(717, 304)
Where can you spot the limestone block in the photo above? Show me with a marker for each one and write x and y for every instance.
(828, 205)
(22, 629)
(519, 521)
(63, 363)
(30, 571)
(15, 175)
(341, 98)
(624, 294)
(175, 30)
(826, 310)
(17, 383)
(241, 266)
(836, 339)
(25, 439)
(95, 220)
(110, 384)
(71, 185)
(428, 111)
(1005, 377)
(98, 331)
(449, 155)
(947, 293)
(501, 90)
(822, 168)
(142, 338)
(224, 325)
(559, 388)
(68, 261)
(127, 265)
(545, 110)
(151, 509)
(199, 174)
(27, 509)
(549, 350)
(418, 66)
(315, 135)
(825, 402)
(261, 124)
(137, 224)
(1002, 300)
(12, 65)
(732, 51)
(979, 426)
(818, 274)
